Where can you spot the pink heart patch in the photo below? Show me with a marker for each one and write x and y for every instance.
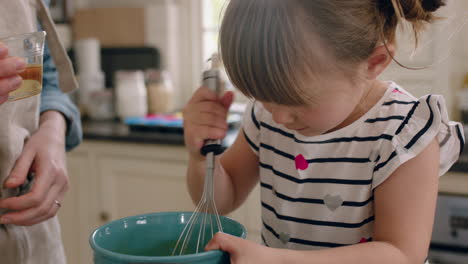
(397, 91)
(301, 162)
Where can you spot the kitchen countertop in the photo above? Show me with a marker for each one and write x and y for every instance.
(117, 131)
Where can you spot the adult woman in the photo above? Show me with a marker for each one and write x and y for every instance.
(32, 146)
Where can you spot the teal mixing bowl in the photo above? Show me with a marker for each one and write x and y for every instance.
(150, 238)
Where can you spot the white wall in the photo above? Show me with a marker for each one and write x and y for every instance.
(459, 67)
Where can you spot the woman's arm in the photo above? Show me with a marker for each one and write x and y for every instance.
(44, 154)
(53, 99)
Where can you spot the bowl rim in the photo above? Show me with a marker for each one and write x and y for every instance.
(120, 256)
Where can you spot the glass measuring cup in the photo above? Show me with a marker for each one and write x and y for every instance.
(30, 47)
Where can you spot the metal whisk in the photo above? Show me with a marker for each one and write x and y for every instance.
(205, 221)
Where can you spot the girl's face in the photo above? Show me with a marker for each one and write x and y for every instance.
(333, 107)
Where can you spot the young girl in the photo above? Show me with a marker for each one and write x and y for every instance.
(348, 165)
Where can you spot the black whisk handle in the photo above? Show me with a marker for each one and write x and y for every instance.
(215, 148)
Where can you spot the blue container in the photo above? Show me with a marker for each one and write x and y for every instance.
(150, 238)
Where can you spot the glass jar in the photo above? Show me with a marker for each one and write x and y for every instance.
(131, 95)
(160, 92)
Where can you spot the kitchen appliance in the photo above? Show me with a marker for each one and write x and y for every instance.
(449, 244)
(124, 58)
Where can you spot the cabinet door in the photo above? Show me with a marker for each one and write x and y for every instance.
(73, 214)
(131, 186)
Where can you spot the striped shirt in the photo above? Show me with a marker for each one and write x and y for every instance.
(317, 192)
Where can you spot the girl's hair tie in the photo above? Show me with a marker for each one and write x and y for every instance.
(432, 5)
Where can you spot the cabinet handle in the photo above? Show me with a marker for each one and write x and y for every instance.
(104, 216)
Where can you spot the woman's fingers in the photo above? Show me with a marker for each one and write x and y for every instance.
(50, 203)
(11, 66)
(9, 84)
(21, 169)
(9, 69)
(3, 51)
(43, 181)
(43, 211)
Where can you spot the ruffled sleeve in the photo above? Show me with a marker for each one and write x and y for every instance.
(425, 121)
(251, 126)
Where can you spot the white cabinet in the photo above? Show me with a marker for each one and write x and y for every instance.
(74, 214)
(134, 183)
(113, 180)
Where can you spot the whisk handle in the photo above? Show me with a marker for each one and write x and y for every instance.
(215, 148)
(211, 79)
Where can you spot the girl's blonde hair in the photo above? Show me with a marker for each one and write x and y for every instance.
(274, 49)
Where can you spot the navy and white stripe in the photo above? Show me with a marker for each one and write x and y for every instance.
(298, 180)
(314, 201)
(328, 141)
(328, 201)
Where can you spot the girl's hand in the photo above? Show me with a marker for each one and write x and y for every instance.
(44, 154)
(242, 251)
(9, 69)
(205, 118)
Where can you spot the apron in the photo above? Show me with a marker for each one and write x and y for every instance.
(41, 243)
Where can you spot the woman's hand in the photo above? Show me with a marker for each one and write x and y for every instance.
(242, 251)
(9, 69)
(44, 154)
(205, 118)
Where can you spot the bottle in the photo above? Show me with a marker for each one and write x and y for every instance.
(160, 92)
(131, 95)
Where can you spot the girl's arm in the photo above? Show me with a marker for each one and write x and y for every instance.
(404, 215)
(236, 173)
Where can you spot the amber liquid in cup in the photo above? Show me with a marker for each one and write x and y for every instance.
(31, 85)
